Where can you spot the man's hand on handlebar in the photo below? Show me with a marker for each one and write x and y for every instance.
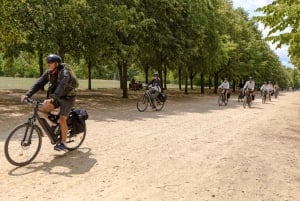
(23, 97)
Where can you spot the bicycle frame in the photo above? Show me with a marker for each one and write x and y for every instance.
(148, 95)
(46, 127)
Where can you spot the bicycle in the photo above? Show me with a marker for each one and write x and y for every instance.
(247, 99)
(240, 96)
(276, 93)
(264, 96)
(222, 100)
(146, 99)
(25, 140)
(270, 94)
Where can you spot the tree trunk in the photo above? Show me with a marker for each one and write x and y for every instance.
(191, 80)
(179, 77)
(119, 65)
(41, 63)
(146, 71)
(124, 78)
(165, 78)
(186, 84)
(89, 75)
(233, 86)
(202, 83)
(209, 82)
(216, 81)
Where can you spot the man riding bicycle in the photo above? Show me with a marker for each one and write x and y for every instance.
(264, 88)
(270, 89)
(60, 94)
(249, 87)
(225, 87)
(155, 88)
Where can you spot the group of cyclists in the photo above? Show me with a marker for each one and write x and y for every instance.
(247, 88)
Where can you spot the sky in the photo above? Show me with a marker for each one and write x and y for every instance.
(250, 6)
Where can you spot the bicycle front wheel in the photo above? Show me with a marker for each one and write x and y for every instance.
(264, 99)
(142, 103)
(225, 100)
(220, 101)
(245, 101)
(23, 144)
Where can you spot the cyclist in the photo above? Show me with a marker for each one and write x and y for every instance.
(249, 87)
(155, 88)
(264, 88)
(60, 94)
(241, 86)
(225, 87)
(270, 89)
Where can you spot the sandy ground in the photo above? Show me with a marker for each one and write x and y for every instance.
(192, 150)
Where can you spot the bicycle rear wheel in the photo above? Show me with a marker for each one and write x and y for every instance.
(142, 103)
(75, 140)
(23, 144)
(225, 100)
(159, 105)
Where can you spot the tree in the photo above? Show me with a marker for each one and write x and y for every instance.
(282, 17)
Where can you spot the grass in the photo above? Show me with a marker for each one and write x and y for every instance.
(26, 83)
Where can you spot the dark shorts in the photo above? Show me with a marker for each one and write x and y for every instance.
(65, 104)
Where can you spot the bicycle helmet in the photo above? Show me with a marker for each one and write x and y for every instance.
(250, 78)
(53, 58)
(155, 74)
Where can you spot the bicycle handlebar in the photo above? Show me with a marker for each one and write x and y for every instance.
(32, 101)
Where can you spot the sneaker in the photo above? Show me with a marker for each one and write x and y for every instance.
(60, 146)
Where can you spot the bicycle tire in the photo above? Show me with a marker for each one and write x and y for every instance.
(225, 100)
(276, 94)
(220, 101)
(24, 153)
(245, 102)
(249, 101)
(264, 99)
(142, 103)
(159, 105)
(74, 141)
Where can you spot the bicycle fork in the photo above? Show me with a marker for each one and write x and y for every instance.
(26, 141)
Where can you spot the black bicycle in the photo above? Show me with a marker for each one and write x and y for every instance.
(223, 99)
(248, 99)
(146, 99)
(24, 142)
(241, 96)
(264, 96)
(276, 92)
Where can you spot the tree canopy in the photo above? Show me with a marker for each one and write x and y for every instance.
(186, 41)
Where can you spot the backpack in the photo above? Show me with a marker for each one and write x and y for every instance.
(74, 81)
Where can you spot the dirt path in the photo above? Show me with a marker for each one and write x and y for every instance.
(192, 150)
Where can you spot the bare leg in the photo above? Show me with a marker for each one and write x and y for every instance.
(63, 128)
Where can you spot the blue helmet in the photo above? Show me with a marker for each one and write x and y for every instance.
(53, 58)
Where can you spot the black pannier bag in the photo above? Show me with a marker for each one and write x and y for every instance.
(162, 97)
(76, 121)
